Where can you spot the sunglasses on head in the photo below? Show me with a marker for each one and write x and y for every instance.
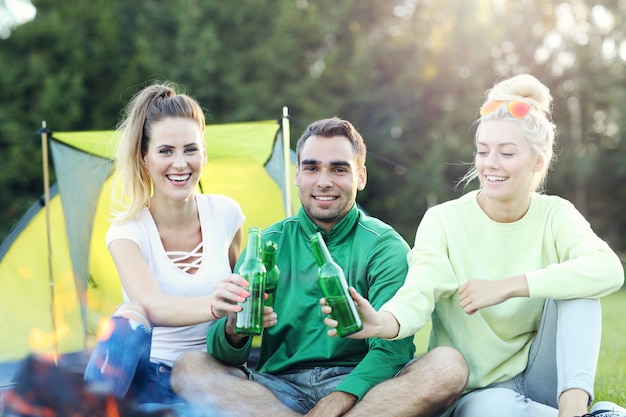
(517, 109)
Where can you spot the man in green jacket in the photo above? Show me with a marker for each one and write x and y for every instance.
(301, 370)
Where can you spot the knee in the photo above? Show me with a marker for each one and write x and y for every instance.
(452, 364)
(134, 313)
(189, 360)
(186, 366)
(490, 402)
(446, 365)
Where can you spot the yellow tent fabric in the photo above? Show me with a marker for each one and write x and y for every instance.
(237, 155)
(25, 293)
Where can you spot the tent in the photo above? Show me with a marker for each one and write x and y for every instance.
(57, 280)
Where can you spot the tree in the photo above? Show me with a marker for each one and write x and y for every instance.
(410, 75)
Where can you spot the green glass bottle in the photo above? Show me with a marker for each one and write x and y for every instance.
(250, 318)
(335, 289)
(271, 279)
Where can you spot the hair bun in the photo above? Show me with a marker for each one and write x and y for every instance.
(523, 86)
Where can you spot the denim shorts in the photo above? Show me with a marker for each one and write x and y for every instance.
(301, 389)
(153, 386)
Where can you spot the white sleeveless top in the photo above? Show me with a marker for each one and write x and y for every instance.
(220, 218)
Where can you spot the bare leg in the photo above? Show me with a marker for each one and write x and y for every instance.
(427, 386)
(134, 312)
(573, 402)
(200, 379)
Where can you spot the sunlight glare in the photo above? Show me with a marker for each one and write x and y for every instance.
(17, 13)
(622, 50)
(602, 18)
(22, 10)
(608, 49)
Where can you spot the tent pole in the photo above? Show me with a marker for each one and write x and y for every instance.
(46, 187)
(287, 161)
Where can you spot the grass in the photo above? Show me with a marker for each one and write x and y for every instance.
(610, 376)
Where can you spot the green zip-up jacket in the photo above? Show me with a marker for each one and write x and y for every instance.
(373, 257)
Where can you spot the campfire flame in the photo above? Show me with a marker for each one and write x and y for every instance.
(111, 407)
(45, 342)
(105, 328)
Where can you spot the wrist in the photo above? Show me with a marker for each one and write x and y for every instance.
(213, 313)
(388, 326)
(337, 403)
(518, 286)
(346, 396)
(235, 340)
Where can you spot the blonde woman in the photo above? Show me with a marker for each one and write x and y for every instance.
(173, 249)
(511, 277)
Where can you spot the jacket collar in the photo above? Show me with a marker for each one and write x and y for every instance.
(338, 231)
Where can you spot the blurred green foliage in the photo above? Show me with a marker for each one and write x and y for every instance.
(409, 74)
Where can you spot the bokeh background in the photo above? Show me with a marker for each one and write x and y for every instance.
(410, 74)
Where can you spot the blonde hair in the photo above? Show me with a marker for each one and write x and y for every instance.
(537, 125)
(132, 185)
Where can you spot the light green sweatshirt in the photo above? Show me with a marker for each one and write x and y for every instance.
(456, 241)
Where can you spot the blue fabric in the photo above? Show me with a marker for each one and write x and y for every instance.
(120, 365)
(300, 390)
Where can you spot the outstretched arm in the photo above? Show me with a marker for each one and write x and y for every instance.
(375, 324)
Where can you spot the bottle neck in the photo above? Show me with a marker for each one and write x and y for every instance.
(320, 250)
(269, 254)
(254, 245)
(269, 259)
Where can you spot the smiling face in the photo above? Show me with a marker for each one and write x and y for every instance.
(328, 179)
(175, 157)
(505, 163)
